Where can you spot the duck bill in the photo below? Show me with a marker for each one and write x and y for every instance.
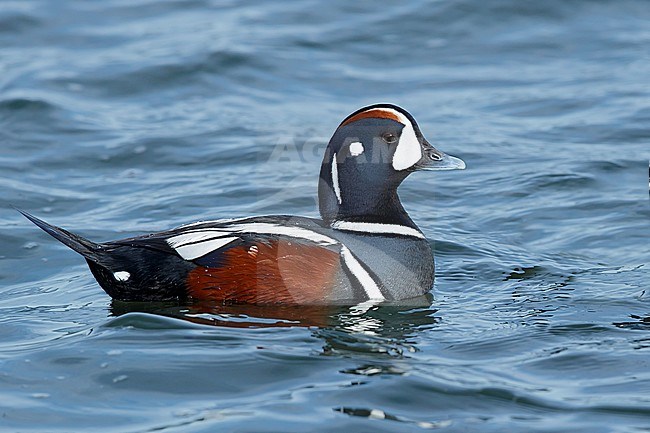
(433, 159)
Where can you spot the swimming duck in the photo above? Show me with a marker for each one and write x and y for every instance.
(365, 247)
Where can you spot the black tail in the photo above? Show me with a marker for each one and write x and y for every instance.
(127, 272)
(86, 248)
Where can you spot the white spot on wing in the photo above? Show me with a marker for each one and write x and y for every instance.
(356, 148)
(200, 249)
(394, 229)
(121, 275)
(364, 278)
(335, 179)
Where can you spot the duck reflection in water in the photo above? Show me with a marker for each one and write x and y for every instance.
(392, 320)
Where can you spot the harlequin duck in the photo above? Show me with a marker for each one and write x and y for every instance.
(365, 247)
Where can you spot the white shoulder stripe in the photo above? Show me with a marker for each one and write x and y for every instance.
(194, 251)
(378, 228)
(221, 221)
(274, 229)
(195, 236)
(363, 277)
(196, 243)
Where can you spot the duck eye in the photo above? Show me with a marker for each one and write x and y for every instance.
(389, 138)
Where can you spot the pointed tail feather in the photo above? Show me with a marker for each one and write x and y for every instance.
(86, 248)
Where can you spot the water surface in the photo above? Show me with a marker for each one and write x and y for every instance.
(120, 118)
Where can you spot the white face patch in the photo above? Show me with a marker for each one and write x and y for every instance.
(409, 150)
(121, 276)
(356, 148)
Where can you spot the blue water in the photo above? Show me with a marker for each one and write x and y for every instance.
(122, 117)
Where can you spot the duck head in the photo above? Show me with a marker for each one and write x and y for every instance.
(371, 152)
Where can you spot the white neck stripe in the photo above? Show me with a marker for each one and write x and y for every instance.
(379, 228)
(363, 277)
(335, 179)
